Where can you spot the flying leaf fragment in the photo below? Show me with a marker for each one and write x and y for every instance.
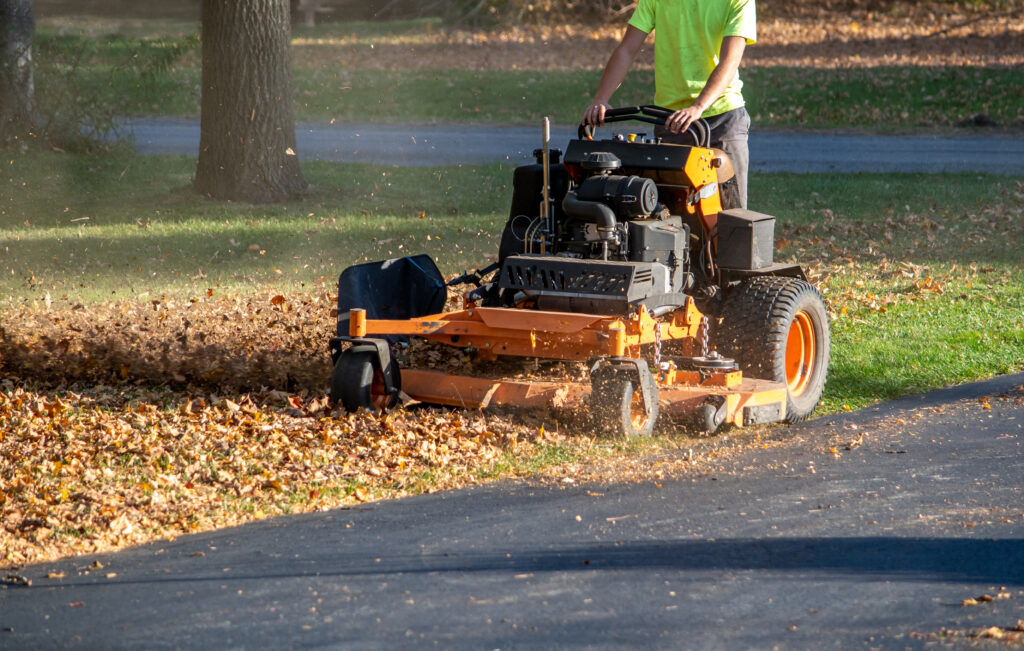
(993, 633)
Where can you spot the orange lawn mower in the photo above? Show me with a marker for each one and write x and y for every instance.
(618, 255)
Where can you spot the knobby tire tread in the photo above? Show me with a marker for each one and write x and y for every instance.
(754, 326)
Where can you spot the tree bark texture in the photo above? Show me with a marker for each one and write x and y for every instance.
(17, 88)
(247, 127)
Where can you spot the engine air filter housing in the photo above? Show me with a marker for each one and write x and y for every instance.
(629, 196)
(600, 161)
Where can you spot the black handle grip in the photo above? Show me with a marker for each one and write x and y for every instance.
(651, 114)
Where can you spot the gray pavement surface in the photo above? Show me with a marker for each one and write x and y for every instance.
(786, 546)
(769, 151)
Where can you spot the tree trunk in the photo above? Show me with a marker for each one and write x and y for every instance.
(17, 88)
(247, 127)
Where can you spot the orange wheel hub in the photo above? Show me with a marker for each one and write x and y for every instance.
(637, 414)
(378, 391)
(800, 352)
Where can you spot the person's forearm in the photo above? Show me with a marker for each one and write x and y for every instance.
(717, 83)
(614, 73)
(619, 64)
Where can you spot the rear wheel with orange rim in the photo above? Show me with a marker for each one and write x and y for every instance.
(776, 328)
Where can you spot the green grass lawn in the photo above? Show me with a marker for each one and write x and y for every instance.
(885, 99)
(156, 72)
(922, 273)
(93, 228)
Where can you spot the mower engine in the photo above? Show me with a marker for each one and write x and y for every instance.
(608, 246)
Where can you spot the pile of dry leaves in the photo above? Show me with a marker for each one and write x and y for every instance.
(127, 422)
(149, 420)
(230, 344)
(111, 466)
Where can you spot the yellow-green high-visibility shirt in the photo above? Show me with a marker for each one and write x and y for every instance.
(687, 44)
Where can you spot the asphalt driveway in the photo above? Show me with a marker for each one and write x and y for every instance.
(770, 151)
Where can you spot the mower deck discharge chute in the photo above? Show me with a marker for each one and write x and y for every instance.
(619, 255)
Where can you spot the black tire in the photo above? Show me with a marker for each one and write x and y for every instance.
(776, 328)
(710, 415)
(358, 383)
(618, 409)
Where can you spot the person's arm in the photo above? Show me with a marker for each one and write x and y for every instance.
(614, 72)
(728, 64)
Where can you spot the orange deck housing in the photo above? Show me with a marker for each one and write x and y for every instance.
(491, 332)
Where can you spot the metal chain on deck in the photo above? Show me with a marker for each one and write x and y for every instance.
(657, 346)
(704, 327)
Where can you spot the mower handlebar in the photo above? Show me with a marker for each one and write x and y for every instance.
(650, 114)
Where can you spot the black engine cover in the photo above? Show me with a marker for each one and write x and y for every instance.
(593, 286)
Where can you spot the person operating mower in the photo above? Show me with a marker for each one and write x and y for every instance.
(697, 52)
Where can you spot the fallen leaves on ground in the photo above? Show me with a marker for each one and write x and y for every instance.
(811, 35)
(1007, 635)
(986, 598)
(231, 344)
(132, 421)
(94, 469)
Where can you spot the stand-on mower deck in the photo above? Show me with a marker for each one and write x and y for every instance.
(618, 255)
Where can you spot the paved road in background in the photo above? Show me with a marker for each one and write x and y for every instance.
(769, 151)
(785, 546)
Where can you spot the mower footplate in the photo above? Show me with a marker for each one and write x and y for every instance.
(751, 402)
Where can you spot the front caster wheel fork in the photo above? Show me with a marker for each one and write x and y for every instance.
(711, 414)
(366, 377)
(623, 397)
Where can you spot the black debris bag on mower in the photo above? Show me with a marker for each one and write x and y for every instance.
(401, 288)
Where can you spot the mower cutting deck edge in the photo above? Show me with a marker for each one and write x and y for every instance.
(622, 257)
